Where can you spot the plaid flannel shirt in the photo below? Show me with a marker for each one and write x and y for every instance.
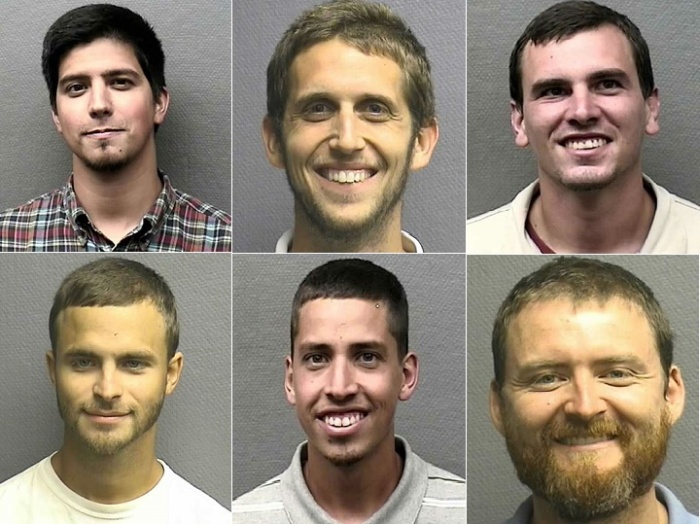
(57, 222)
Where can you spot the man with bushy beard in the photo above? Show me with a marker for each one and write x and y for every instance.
(585, 393)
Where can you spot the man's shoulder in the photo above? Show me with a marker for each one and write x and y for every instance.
(191, 500)
(201, 209)
(262, 504)
(446, 492)
(501, 230)
(21, 490)
(35, 208)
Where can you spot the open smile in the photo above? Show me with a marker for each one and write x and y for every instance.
(340, 424)
(346, 174)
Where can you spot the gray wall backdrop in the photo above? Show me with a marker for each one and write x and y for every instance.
(497, 169)
(265, 428)
(494, 491)
(194, 143)
(194, 435)
(262, 200)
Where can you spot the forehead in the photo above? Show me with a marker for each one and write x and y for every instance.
(338, 68)
(342, 321)
(569, 333)
(111, 328)
(605, 47)
(102, 54)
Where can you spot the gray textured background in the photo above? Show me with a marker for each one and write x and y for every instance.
(265, 428)
(262, 200)
(194, 142)
(493, 490)
(194, 426)
(497, 169)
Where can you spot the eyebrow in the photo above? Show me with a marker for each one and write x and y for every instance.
(602, 74)
(105, 74)
(308, 347)
(137, 354)
(537, 365)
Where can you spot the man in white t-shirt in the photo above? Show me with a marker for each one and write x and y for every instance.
(113, 360)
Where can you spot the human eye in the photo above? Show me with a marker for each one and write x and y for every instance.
(75, 89)
(552, 92)
(122, 83)
(546, 382)
(314, 360)
(376, 111)
(317, 111)
(134, 365)
(367, 358)
(609, 84)
(619, 377)
(81, 363)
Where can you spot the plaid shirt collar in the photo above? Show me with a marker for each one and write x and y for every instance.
(151, 222)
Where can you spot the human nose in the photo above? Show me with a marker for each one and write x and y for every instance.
(100, 101)
(107, 385)
(341, 382)
(583, 108)
(584, 401)
(346, 138)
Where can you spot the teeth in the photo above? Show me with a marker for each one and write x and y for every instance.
(343, 421)
(591, 143)
(348, 176)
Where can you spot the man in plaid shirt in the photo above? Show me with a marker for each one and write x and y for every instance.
(104, 67)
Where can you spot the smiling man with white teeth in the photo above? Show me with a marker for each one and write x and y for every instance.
(585, 394)
(350, 113)
(105, 70)
(114, 335)
(583, 97)
(349, 367)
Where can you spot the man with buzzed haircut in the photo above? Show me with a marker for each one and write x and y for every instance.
(114, 336)
(585, 393)
(350, 113)
(348, 368)
(104, 68)
(583, 97)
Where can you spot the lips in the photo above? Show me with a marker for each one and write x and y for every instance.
(103, 131)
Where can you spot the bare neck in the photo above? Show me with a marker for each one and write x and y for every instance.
(384, 237)
(615, 219)
(117, 201)
(644, 510)
(125, 476)
(354, 493)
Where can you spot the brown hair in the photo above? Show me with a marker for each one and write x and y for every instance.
(581, 280)
(370, 27)
(116, 282)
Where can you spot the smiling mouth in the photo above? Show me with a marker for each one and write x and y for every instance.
(585, 144)
(346, 176)
(343, 420)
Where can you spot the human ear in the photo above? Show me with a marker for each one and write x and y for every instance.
(424, 145)
(409, 369)
(517, 122)
(272, 144)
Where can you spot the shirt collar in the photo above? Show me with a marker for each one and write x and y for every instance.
(151, 221)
